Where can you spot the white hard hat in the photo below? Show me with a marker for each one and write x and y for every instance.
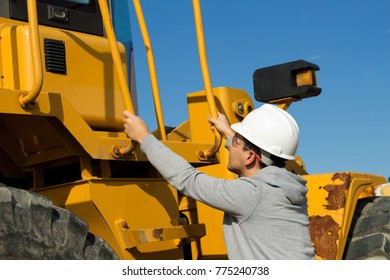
(271, 129)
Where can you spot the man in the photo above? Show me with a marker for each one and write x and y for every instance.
(265, 208)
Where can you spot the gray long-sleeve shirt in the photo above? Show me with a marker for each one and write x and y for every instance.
(265, 215)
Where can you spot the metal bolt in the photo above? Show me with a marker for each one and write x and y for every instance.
(125, 225)
(240, 108)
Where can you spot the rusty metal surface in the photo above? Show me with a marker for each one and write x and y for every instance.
(331, 203)
(327, 197)
(324, 232)
(337, 192)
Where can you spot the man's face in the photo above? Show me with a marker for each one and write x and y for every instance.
(237, 154)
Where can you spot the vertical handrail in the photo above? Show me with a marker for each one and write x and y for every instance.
(27, 98)
(152, 68)
(206, 79)
(123, 85)
(117, 151)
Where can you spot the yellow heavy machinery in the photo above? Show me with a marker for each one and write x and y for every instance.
(73, 186)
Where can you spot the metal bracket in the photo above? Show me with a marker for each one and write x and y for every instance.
(151, 239)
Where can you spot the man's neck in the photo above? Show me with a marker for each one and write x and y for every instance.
(249, 173)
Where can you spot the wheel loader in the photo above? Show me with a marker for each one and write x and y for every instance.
(74, 186)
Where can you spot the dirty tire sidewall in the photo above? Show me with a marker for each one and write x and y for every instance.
(31, 227)
(369, 236)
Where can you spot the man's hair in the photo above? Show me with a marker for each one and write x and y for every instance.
(277, 161)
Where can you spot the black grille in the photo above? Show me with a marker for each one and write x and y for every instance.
(55, 56)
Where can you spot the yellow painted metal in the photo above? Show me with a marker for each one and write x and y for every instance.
(123, 151)
(206, 79)
(93, 80)
(139, 218)
(117, 151)
(227, 100)
(203, 58)
(172, 236)
(284, 103)
(332, 199)
(116, 56)
(385, 189)
(37, 72)
(57, 106)
(152, 69)
(96, 144)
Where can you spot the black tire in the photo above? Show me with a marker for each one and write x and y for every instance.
(31, 227)
(369, 236)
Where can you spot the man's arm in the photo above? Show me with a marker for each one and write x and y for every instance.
(233, 196)
(237, 197)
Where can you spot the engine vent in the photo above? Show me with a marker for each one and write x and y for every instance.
(55, 57)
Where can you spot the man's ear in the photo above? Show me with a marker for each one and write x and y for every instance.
(252, 157)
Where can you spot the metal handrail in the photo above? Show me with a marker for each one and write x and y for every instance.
(123, 85)
(204, 155)
(29, 97)
(117, 151)
(152, 68)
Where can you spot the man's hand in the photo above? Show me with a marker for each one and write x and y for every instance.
(135, 127)
(222, 125)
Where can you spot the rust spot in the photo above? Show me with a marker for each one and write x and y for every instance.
(336, 193)
(125, 225)
(156, 233)
(324, 233)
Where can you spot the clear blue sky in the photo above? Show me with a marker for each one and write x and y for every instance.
(346, 128)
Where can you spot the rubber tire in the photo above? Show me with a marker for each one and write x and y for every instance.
(31, 227)
(369, 236)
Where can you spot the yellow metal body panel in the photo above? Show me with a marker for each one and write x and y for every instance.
(383, 189)
(143, 204)
(97, 144)
(228, 100)
(90, 85)
(331, 200)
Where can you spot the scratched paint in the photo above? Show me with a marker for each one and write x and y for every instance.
(157, 234)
